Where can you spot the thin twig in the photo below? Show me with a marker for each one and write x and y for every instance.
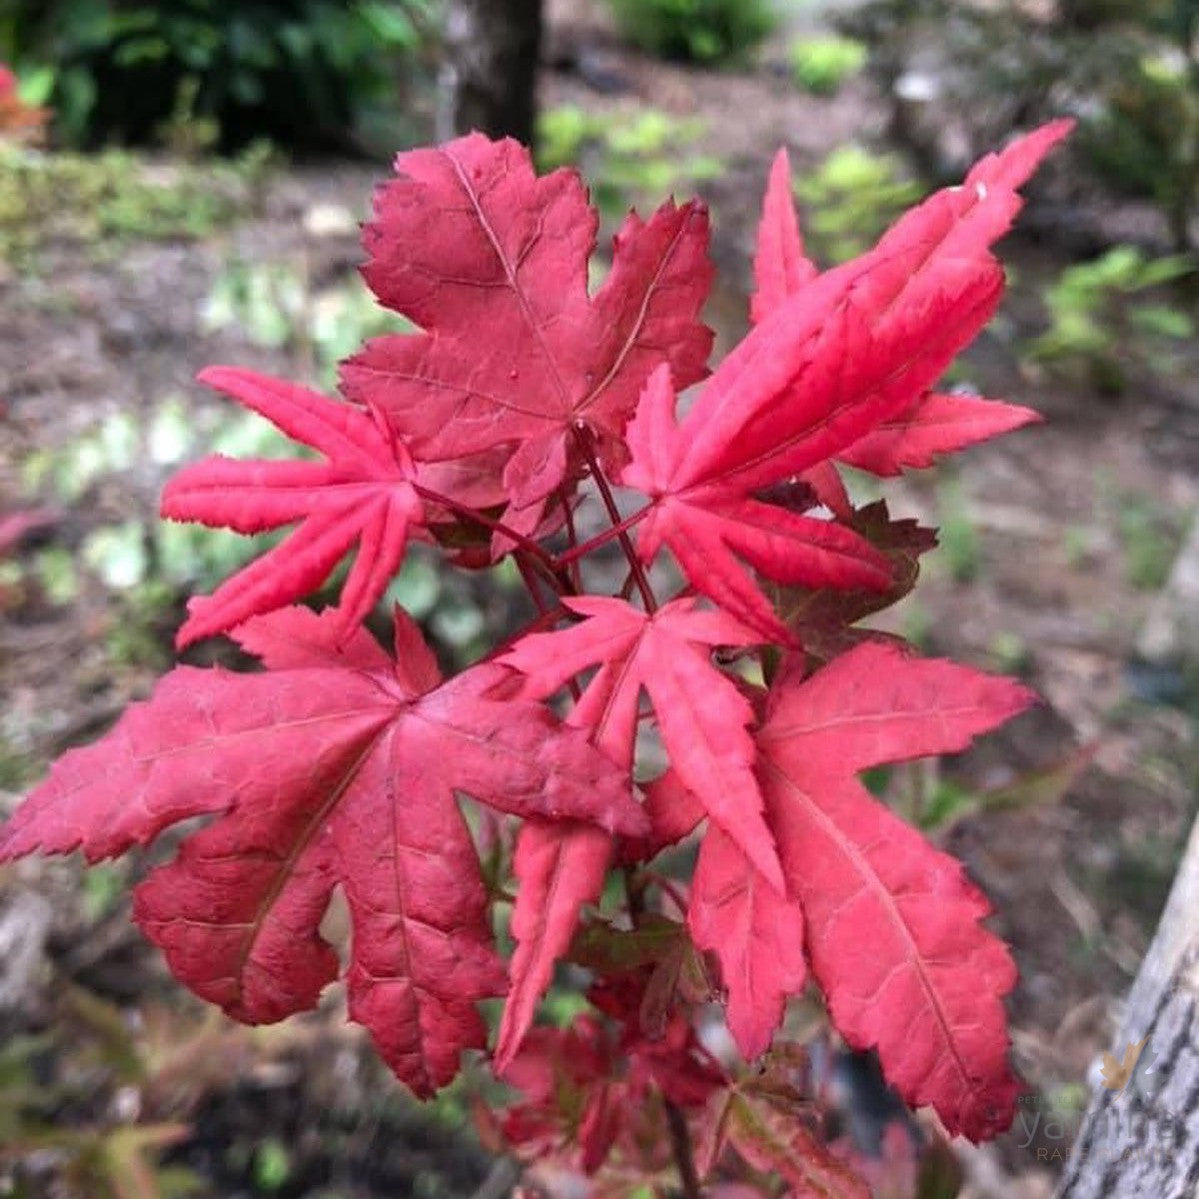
(569, 560)
(541, 556)
(578, 551)
(583, 439)
(680, 1145)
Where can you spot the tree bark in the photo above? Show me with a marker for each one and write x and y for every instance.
(494, 47)
(1142, 1140)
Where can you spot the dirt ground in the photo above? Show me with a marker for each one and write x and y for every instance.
(1043, 536)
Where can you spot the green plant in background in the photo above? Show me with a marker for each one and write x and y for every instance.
(1129, 69)
(821, 64)
(698, 30)
(273, 305)
(850, 198)
(627, 154)
(1095, 331)
(958, 537)
(1145, 138)
(302, 72)
(95, 1055)
(1149, 538)
(101, 201)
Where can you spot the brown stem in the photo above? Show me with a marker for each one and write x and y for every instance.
(583, 439)
(578, 551)
(543, 559)
(680, 1146)
(569, 560)
(529, 578)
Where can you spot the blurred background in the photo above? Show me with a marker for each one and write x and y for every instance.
(181, 183)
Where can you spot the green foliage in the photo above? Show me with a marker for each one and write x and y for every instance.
(958, 537)
(695, 30)
(1149, 538)
(1096, 332)
(299, 71)
(851, 198)
(93, 1060)
(1128, 70)
(1145, 141)
(104, 200)
(273, 305)
(822, 64)
(1010, 653)
(628, 154)
(937, 802)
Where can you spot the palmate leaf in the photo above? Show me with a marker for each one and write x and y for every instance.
(362, 493)
(849, 350)
(890, 925)
(709, 528)
(560, 868)
(934, 424)
(337, 767)
(701, 714)
(492, 262)
(755, 932)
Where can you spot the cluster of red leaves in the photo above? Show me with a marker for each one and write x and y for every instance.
(342, 766)
(19, 121)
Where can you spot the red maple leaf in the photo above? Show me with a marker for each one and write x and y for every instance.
(890, 925)
(755, 932)
(849, 350)
(562, 868)
(492, 262)
(362, 493)
(701, 714)
(570, 1094)
(933, 424)
(707, 528)
(336, 767)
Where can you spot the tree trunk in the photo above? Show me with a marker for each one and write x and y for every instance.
(494, 47)
(1141, 1141)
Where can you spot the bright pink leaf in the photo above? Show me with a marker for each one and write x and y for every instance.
(851, 349)
(492, 262)
(338, 767)
(933, 424)
(936, 424)
(892, 926)
(780, 266)
(755, 932)
(701, 714)
(362, 493)
(560, 868)
(708, 530)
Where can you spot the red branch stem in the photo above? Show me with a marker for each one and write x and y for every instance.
(583, 439)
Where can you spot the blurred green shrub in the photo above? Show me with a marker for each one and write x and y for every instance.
(694, 30)
(626, 155)
(822, 64)
(301, 72)
(1128, 69)
(274, 306)
(1095, 331)
(1145, 141)
(850, 198)
(98, 200)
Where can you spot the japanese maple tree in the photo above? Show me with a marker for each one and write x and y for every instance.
(734, 646)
